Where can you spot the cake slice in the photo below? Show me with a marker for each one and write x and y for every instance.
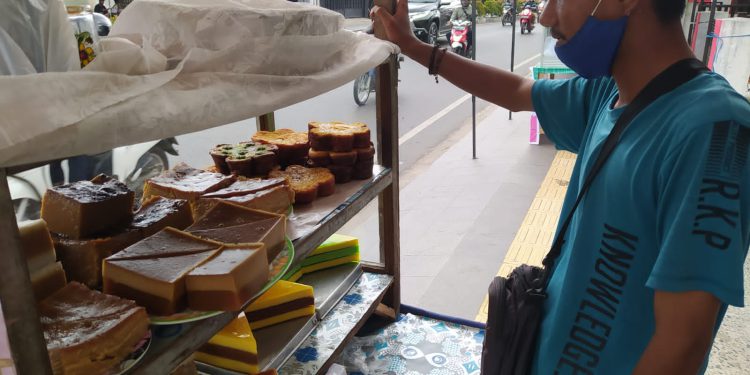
(82, 259)
(166, 243)
(233, 348)
(229, 280)
(157, 213)
(270, 232)
(88, 332)
(185, 182)
(158, 284)
(293, 146)
(245, 187)
(37, 244)
(293, 274)
(48, 280)
(284, 301)
(308, 183)
(277, 200)
(335, 251)
(84, 208)
(225, 214)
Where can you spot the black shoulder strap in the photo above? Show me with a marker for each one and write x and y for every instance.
(668, 80)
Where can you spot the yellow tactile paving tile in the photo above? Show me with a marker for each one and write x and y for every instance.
(537, 230)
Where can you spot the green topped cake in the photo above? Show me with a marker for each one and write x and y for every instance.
(245, 159)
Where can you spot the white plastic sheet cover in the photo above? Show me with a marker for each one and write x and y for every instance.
(177, 66)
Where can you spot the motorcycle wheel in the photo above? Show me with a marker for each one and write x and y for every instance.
(26, 209)
(362, 87)
(459, 51)
(523, 27)
(150, 165)
(432, 34)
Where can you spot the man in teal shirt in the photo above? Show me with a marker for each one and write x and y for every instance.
(655, 252)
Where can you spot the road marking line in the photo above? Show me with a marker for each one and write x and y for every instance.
(432, 120)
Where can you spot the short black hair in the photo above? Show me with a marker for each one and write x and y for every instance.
(668, 10)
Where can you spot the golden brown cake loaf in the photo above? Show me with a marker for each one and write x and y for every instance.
(88, 332)
(308, 183)
(342, 173)
(84, 208)
(319, 158)
(247, 159)
(338, 136)
(185, 182)
(293, 146)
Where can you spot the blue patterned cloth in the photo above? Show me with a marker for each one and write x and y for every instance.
(416, 345)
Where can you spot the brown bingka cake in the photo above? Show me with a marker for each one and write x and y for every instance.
(158, 284)
(230, 279)
(168, 242)
(84, 208)
(185, 182)
(230, 224)
(308, 183)
(157, 213)
(272, 195)
(277, 200)
(293, 146)
(245, 159)
(82, 259)
(88, 332)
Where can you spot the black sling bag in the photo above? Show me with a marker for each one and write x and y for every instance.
(516, 302)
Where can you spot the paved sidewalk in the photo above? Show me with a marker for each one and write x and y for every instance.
(459, 215)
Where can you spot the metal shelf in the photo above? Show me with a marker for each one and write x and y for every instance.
(168, 351)
(331, 285)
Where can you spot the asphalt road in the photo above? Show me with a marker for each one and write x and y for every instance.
(420, 99)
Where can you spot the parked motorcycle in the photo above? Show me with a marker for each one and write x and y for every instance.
(131, 164)
(526, 18)
(460, 38)
(507, 15)
(365, 84)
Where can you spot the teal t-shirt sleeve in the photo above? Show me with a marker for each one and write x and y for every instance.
(704, 216)
(566, 107)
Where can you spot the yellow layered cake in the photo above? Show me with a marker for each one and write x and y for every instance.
(234, 348)
(284, 301)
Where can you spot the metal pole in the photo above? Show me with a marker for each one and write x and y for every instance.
(473, 97)
(709, 38)
(27, 344)
(692, 22)
(512, 47)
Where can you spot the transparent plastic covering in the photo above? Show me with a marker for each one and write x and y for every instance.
(172, 67)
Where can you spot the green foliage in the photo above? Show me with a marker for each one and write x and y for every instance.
(493, 7)
(481, 9)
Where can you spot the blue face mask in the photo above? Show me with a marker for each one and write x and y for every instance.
(592, 50)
